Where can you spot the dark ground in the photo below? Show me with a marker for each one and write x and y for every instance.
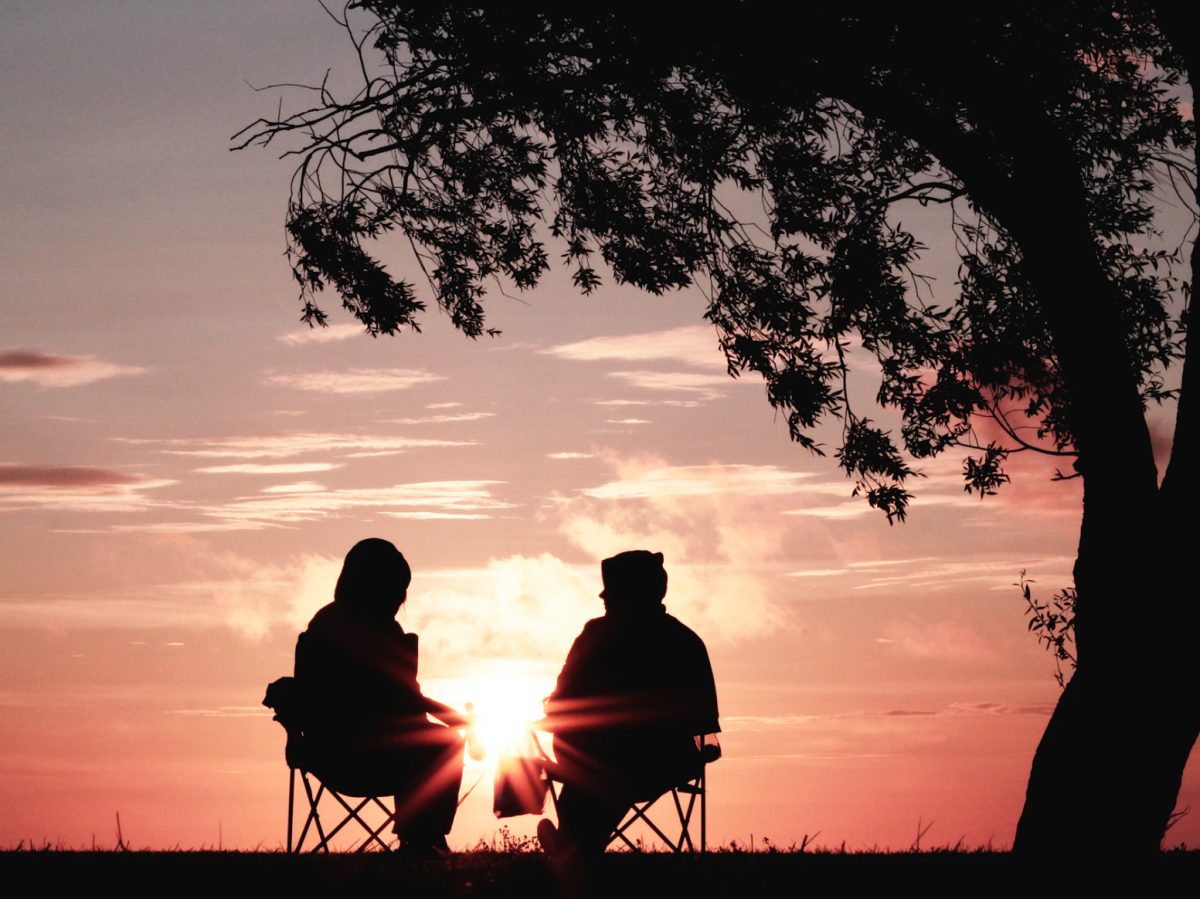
(621, 875)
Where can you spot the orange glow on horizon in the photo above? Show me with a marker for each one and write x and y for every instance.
(185, 466)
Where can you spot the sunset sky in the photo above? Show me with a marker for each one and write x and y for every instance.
(183, 465)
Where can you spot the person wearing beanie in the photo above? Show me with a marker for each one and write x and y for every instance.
(635, 691)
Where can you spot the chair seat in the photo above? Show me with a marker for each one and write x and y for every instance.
(691, 785)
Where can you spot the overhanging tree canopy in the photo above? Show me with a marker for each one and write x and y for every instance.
(637, 143)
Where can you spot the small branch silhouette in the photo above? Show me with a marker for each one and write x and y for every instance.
(921, 831)
(1177, 816)
(1053, 623)
(122, 846)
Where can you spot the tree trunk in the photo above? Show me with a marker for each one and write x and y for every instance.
(1107, 771)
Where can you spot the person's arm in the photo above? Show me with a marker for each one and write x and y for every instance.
(444, 713)
(563, 707)
(708, 716)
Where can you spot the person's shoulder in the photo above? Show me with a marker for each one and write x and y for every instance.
(324, 617)
(594, 627)
(594, 632)
(681, 631)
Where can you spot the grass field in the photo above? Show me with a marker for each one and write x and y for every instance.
(490, 873)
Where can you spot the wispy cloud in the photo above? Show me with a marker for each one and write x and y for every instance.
(944, 574)
(1001, 708)
(890, 563)
(819, 572)
(630, 421)
(438, 516)
(714, 525)
(282, 446)
(856, 507)
(956, 709)
(276, 468)
(52, 370)
(643, 481)
(694, 345)
(225, 711)
(674, 381)
(328, 334)
(427, 499)
(448, 418)
(355, 380)
(297, 487)
(63, 477)
(683, 404)
(570, 455)
(931, 574)
(75, 488)
(943, 640)
(289, 505)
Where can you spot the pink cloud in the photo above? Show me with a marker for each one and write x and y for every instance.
(694, 345)
(52, 370)
(355, 380)
(269, 469)
(451, 418)
(75, 488)
(65, 477)
(328, 334)
(944, 640)
(259, 446)
(699, 383)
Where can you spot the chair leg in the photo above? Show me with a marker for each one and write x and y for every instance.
(388, 821)
(314, 817)
(640, 812)
(352, 814)
(291, 806)
(685, 814)
(619, 833)
(685, 821)
(699, 786)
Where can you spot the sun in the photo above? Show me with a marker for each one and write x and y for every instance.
(504, 704)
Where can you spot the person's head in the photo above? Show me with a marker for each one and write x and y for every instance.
(633, 581)
(374, 579)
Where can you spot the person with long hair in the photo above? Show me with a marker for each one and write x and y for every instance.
(366, 720)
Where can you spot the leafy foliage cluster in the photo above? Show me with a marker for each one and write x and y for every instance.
(1053, 624)
(674, 155)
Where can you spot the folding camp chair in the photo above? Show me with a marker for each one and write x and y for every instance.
(685, 797)
(349, 807)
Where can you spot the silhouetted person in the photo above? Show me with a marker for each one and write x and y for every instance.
(365, 724)
(636, 689)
